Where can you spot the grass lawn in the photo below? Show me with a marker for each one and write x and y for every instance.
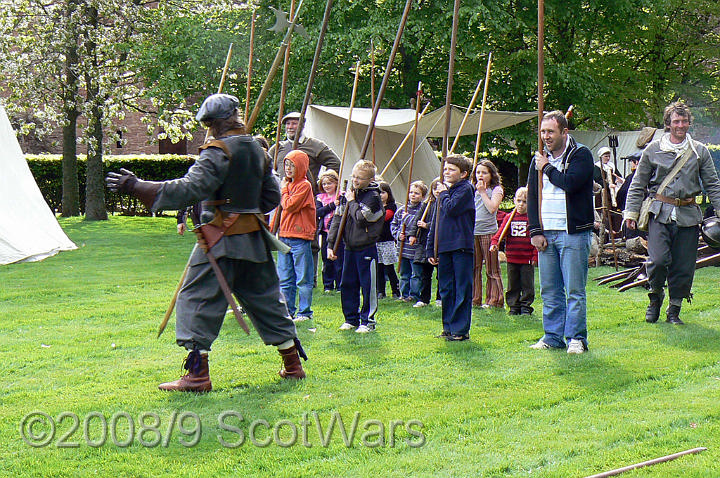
(77, 337)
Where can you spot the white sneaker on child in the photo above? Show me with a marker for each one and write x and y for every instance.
(347, 326)
(419, 304)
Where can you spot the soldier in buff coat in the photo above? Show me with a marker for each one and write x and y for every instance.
(236, 183)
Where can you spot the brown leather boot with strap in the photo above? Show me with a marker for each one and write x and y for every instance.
(292, 368)
(196, 380)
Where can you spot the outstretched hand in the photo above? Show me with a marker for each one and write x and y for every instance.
(122, 182)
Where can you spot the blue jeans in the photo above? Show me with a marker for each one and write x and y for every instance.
(563, 276)
(295, 271)
(410, 279)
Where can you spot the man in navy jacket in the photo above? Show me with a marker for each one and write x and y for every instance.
(561, 220)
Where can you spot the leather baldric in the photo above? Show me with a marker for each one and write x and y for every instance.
(675, 201)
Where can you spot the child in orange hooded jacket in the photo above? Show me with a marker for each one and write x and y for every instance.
(297, 230)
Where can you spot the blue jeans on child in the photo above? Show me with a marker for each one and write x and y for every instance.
(410, 279)
(295, 270)
(563, 276)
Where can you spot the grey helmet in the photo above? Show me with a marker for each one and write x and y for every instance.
(710, 231)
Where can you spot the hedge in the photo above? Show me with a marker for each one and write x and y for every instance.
(47, 170)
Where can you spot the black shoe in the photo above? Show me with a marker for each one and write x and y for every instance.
(443, 335)
(514, 312)
(526, 310)
(652, 314)
(673, 315)
(457, 338)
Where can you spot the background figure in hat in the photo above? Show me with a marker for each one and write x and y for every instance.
(318, 152)
(632, 161)
(612, 178)
(237, 185)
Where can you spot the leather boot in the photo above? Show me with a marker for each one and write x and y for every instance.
(292, 368)
(673, 315)
(197, 379)
(652, 314)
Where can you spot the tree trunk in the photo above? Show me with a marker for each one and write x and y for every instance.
(70, 186)
(525, 161)
(95, 184)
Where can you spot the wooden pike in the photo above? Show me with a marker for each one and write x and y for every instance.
(372, 90)
(409, 181)
(505, 230)
(386, 79)
(313, 70)
(250, 63)
(605, 207)
(173, 300)
(630, 278)
(338, 239)
(349, 120)
(448, 107)
(699, 264)
(612, 274)
(482, 112)
(271, 73)
(376, 108)
(655, 461)
(308, 94)
(467, 114)
(541, 94)
(405, 140)
(617, 276)
(283, 93)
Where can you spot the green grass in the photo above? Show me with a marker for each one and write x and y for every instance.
(77, 334)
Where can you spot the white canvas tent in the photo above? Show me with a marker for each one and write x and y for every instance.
(328, 124)
(28, 228)
(627, 144)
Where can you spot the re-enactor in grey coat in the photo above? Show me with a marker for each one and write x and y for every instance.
(674, 214)
(236, 181)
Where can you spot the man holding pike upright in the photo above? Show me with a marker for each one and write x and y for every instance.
(237, 184)
(560, 217)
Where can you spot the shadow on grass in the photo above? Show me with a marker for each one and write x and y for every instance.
(691, 336)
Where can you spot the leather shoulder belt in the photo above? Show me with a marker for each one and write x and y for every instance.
(675, 201)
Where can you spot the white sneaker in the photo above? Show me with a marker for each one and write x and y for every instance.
(540, 345)
(301, 318)
(576, 347)
(347, 326)
(419, 304)
(364, 329)
(438, 303)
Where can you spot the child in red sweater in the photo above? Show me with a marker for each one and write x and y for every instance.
(521, 257)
